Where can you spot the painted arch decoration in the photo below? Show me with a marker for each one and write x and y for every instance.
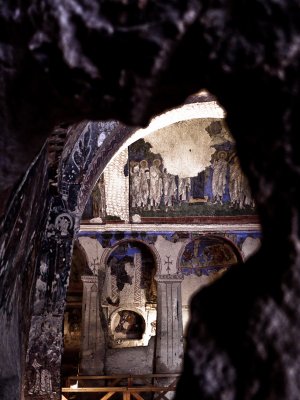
(207, 255)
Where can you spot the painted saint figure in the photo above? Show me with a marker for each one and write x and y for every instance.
(155, 184)
(236, 184)
(248, 199)
(239, 190)
(184, 189)
(135, 184)
(169, 188)
(219, 167)
(145, 177)
(98, 197)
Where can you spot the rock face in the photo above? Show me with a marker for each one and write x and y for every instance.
(62, 62)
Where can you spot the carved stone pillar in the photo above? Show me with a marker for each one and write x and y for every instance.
(92, 345)
(169, 331)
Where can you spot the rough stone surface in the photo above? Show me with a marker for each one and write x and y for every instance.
(65, 61)
(19, 257)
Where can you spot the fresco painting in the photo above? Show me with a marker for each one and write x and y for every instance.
(218, 188)
(187, 169)
(132, 270)
(207, 255)
(129, 325)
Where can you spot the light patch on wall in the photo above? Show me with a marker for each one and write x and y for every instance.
(187, 112)
(250, 247)
(93, 250)
(186, 148)
(114, 177)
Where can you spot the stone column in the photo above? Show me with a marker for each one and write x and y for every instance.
(93, 341)
(169, 331)
(169, 328)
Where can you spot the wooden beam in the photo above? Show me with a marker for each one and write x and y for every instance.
(107, 396)
(107, 389)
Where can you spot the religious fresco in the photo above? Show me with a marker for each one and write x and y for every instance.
(128, 324)
(132, 269)
(130, 294)
(187, 169)
(207, 255)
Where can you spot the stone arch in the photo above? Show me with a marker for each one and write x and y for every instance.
(212, 236)
(80, 252)
(77, 178)
(154, 253)
(151, 248)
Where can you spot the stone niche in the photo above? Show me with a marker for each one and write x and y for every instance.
(129, 295)
(128, 328)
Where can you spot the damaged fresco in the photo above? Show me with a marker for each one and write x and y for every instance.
(208, 255)
(132, 268)
(187, 169)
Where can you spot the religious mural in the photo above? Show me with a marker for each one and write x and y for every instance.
(129, 325)
(131, 274)
(130, 294)
(207, 255)
(190, 169)
(95, 209)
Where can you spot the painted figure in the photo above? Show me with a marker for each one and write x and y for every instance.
(218, 254)
(236, 184)
(155, 184)
(145, 177)
(135, 185)
(169, 188)
(130, 325)
(42, 380)
(239, 190)
(98, 197)
(219, 167)
(248, 199)
(184, 189)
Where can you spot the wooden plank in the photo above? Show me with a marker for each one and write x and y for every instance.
(171, 387)
(94, 389)
(121, 376)
(63, 397)
(108, 389)
(100, 377)
(107, 396)
(138, 389)
(126, 396)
